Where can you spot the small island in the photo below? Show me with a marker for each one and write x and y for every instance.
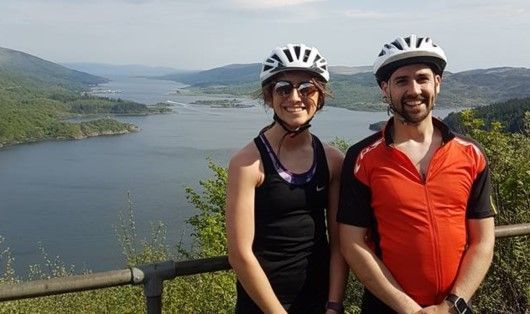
(377, 126)
(98, 127)
(222, 103)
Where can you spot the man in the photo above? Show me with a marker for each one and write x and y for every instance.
(415, 214)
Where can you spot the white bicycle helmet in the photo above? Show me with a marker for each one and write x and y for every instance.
(294, 57)
(408, 50)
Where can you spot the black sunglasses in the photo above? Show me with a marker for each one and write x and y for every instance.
(285, 88)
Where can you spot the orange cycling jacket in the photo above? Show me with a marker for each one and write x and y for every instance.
(416, 227)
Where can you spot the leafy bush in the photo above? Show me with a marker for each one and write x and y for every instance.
(209, 224)
(203, 293)
(507, 285)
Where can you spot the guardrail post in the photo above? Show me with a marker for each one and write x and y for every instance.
(154, 276)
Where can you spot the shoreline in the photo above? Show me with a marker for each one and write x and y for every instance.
(128, 128)
(4, 146)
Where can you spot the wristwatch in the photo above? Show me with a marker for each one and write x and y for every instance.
(459, 305)
(335, 306)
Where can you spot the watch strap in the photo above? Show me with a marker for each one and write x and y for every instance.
(335, 306)
(459, 305)
(451, 297)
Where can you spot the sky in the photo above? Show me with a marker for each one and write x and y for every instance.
(204, 34)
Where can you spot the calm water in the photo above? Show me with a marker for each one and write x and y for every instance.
(67, 195)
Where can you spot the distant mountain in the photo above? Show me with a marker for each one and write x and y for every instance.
(16, 65)
(345, 70)
(130, 70)
(225, 75)
(486, 86)
(355, 87)
(242, 73)
(463, 89)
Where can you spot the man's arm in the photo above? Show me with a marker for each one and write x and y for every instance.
(481, 235)
(477, 259)
(371, 271)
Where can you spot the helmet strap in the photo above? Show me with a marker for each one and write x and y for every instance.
(289, 131)
(391, 109)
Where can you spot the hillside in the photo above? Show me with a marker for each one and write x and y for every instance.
(510, 114)
(37, 95)
(486, 86)
(19, 66)
(355, 87)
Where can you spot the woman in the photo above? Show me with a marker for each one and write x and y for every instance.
(282, 193)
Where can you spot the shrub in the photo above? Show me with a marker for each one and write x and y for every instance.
(507, 285)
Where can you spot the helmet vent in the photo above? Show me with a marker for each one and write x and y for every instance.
(397, 45)
(267, 67)
(317, 57)
(288, 55)
(275, 57)
(297, 52)
(306, 55)
(407, 40)
(418, 43)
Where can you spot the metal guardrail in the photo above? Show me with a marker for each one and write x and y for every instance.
(512, 230)
(152, 276)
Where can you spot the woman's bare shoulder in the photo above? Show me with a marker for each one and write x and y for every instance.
(245, 164)
(333, 153)
(248, 154)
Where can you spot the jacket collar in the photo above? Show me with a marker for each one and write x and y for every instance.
(447, 134)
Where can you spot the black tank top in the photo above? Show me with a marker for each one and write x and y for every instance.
(290, 240)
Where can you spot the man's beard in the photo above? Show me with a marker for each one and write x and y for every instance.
(411, 117)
